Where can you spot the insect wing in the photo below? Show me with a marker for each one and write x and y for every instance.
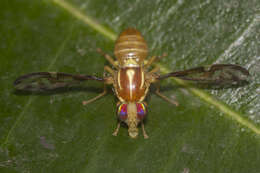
(41, 81)
(217, 74)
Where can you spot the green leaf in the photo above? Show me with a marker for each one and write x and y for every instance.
(211, 131)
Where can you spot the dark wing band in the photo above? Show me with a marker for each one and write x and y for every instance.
(50, 80)
(215, 74)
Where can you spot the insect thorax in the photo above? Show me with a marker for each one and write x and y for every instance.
(130, 84)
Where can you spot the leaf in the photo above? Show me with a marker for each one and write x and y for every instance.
(211, 130)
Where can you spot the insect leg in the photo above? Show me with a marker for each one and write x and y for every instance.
(151, 78)
(144, 133)
(97, 97)
(108, 58)
(117, 129)
(152, 59)
(174, 102)
(108, 80)
(109, 70)
(154, 70)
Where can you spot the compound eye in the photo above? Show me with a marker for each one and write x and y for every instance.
(122, 112)
(141, 111)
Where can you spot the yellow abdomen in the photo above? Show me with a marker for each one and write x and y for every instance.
(130, 45)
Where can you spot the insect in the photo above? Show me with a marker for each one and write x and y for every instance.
(131, 76)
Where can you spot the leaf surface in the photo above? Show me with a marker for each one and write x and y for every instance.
(211, 131)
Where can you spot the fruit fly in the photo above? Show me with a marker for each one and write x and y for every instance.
(131, 76)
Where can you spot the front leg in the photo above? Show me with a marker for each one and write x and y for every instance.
(117, 129)
(144, 132)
